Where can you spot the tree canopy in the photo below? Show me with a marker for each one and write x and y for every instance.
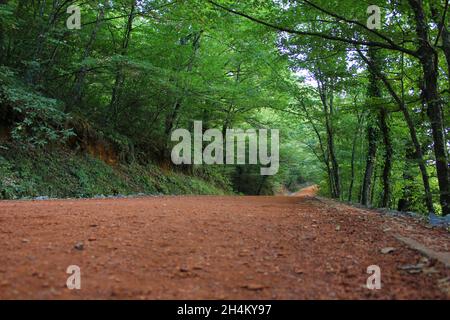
(362, 112)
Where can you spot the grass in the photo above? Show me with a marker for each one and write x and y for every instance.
(66, 174)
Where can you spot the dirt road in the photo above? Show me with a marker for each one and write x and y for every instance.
(210, 247)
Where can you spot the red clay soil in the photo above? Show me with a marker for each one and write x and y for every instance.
(210, 247)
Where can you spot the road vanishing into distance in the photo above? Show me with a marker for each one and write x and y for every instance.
(216, 247)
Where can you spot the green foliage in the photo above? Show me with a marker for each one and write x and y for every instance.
(62, 174)
(137, 70)
(38, 120)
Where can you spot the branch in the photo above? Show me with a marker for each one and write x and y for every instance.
(378, 34)
(441, 25)
(317, 34)
(137, 14)
(381, 77)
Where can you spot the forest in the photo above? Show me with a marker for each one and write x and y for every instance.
(362, 109)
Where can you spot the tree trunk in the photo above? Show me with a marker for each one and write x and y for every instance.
(446, 49)
(375, 92)
(429, 60)
(445, 35)
(326, 95)
(324, 158)
(333, 159)
(352, 164)
(404, 203)
(372, 137)
(261, 184)
(374, 184)
(81, 74)
(412, 131)
(387, 166)
(120, 77)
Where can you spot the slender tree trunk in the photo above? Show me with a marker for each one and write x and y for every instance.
(388, 151)
(372, 134)
(173, 115)
(81, 74)
(2, 44)
(332, 157)
(444, 33)
(446, 49)
(120, 77)
(34, 73)
(429, 60)
(229, 112)
(404, 203)
(375, 92)
(326, 96)
(261, 184)
(352, 163)
(372, 137)
(324, 158)
(41, 38)
(412, 131)
(374, 184)
(352, 170)
(331, 181)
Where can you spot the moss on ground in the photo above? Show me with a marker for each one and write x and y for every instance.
(65, 174)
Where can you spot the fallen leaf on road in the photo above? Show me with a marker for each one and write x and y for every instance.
(387, 250)
(253, 287)
(183, 269)
(444, 285)
(430, 270)
(409, 267)
(298, 271)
